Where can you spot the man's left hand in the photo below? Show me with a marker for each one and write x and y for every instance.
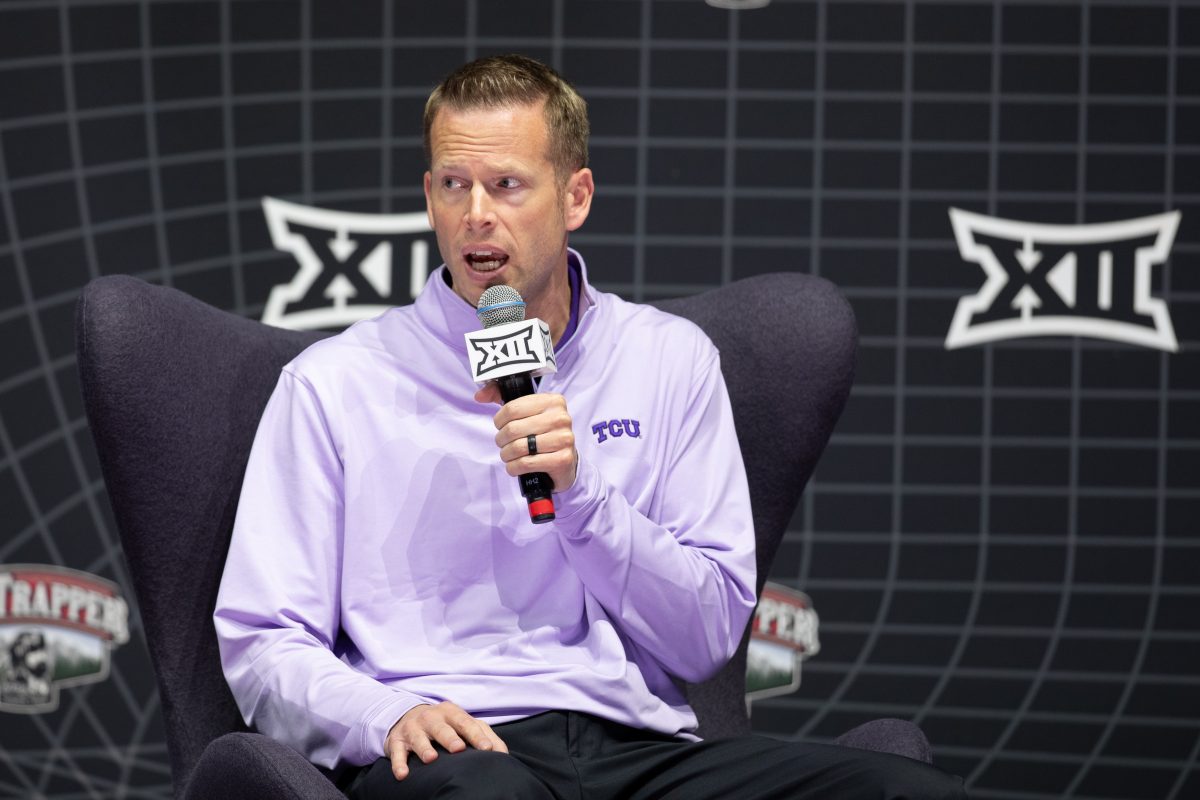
(545, 417)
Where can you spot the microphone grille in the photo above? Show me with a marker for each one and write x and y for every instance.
(498, 305)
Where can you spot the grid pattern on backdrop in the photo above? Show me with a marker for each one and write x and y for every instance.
(1001, 540)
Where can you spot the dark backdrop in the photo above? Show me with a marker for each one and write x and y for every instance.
(1001, 540)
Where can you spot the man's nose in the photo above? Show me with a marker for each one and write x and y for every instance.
(479, 209)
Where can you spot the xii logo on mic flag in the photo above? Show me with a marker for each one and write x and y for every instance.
(1064, 280)
(510, 349)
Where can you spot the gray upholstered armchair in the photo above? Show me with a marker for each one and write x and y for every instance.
(174, 389)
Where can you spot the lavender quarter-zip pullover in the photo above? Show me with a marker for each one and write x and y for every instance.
(382, 557)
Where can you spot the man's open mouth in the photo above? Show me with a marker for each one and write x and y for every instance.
(485, 259)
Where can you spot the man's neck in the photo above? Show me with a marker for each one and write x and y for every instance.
(555, 308)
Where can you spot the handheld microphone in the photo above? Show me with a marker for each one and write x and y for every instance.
(514, 351)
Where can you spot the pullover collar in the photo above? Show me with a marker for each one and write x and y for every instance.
(447, 316)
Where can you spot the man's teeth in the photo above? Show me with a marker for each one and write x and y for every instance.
(486, 260)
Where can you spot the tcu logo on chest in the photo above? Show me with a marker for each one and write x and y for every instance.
(617, 428)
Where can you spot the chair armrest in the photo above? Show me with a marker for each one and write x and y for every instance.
(250, 766)
(895, 736)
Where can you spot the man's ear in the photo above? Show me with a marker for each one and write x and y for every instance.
(577, 200)
(428, 205)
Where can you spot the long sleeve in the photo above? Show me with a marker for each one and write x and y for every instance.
(277, 613)
(681, 586)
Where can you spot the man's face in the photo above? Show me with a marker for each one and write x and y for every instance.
(500, 212)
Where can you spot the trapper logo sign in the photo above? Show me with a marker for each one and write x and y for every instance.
(784, 633)
(58, 628)
(1064, 280)
(352, 266)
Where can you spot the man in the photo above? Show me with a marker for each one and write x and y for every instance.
(387, 602)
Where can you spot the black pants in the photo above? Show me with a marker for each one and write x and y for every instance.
(570, 756)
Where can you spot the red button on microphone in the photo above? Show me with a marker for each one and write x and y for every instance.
(541, 510)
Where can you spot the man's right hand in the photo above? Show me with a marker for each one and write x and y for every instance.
(446, 724)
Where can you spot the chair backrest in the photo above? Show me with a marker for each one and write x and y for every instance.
(174, 389)
(787, 345)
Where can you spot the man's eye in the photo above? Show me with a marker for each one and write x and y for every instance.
(451, 183)
(508, 183)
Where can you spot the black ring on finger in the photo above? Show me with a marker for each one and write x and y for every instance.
(531, 440)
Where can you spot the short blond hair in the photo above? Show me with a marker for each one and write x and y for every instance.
(511, 80)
